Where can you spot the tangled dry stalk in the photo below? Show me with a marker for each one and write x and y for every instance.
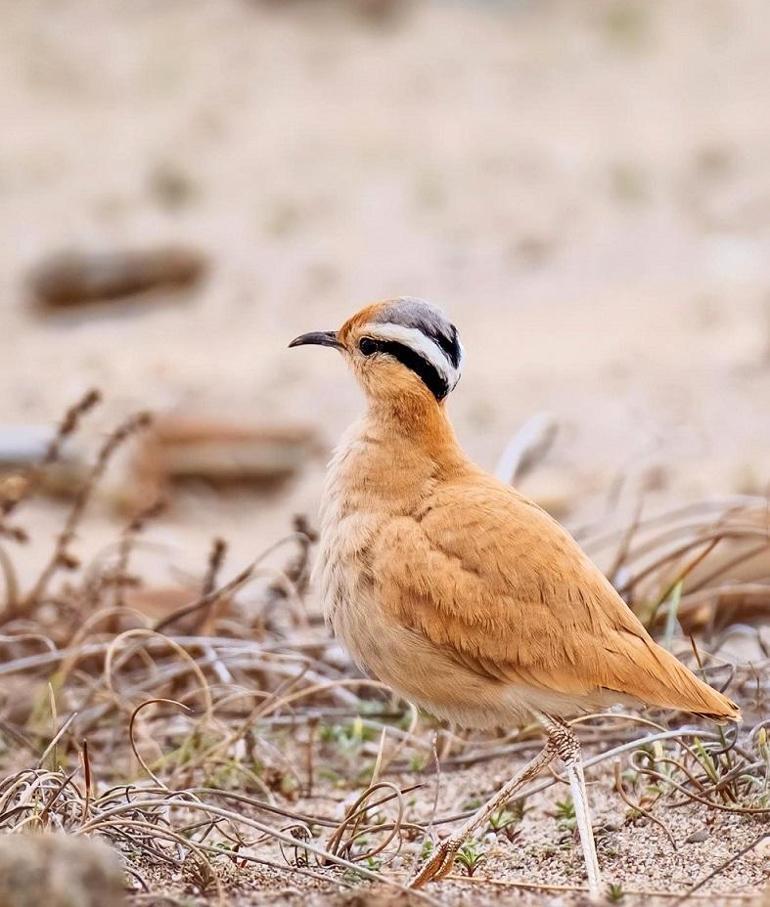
(228, 734)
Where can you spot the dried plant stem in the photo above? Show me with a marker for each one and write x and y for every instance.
(67, 427)
(61, 558)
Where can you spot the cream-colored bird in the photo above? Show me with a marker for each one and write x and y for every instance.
(462, 595)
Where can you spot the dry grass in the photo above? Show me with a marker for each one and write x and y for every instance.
(230, 752)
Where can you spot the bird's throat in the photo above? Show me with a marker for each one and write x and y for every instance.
(416, 420)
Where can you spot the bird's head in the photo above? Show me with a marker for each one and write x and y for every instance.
(401, 346)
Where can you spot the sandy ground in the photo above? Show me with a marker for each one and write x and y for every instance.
(584, 187)
(542, 865)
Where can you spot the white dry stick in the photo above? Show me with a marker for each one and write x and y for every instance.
(529, 445)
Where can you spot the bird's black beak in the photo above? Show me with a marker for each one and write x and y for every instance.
(317, 338)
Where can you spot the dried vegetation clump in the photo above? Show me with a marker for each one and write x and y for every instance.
(216, 736)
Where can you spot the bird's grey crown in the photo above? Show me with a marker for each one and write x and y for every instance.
(412, 312)
(429, 319)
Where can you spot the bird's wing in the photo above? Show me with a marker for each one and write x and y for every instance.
(492, 579)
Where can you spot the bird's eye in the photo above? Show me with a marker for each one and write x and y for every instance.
(367, 346)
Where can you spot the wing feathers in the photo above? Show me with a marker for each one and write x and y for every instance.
(491, 578)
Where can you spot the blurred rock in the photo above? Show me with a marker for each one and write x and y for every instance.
(220, 452)
(532, 250)
(59, 870)
(76, 278)
(698, 837)
(171, 186)
(379, 10)
(376, 11)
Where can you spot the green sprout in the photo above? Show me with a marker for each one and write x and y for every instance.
(470, 857)
(504, 821)
(565, 813)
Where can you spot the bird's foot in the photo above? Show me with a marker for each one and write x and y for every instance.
(439, 865)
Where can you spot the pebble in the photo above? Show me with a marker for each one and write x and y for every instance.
(58, 870)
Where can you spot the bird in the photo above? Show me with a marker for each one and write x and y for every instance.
(452, 588)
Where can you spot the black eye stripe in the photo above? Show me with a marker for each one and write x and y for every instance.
(430, 376)
(449, 345)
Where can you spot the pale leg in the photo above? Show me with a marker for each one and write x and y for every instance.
(577, 785)
(568, 748)
(441, 862)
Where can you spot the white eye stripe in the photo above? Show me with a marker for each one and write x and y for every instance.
(415, 339)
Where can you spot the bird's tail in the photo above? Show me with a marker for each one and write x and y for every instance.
(675, 686)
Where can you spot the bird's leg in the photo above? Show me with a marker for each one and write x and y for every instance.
(567, 746)
(441, 862)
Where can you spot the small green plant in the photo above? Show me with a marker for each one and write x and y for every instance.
(470, 857)
(706, 760)
(352, 876)
(418, 762)
(565, 813)
(347, 738)
(329, 774)
(500, 818)
(427, 849)
(504, 821)
(615, 893)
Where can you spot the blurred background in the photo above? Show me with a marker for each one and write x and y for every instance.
(585, 188)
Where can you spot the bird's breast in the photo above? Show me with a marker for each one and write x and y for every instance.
(372, 480)
(348, 528)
